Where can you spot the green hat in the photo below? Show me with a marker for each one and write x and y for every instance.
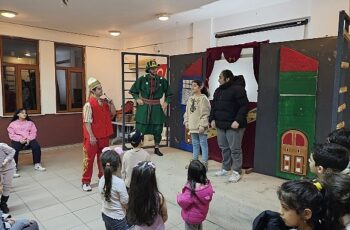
(151, 64)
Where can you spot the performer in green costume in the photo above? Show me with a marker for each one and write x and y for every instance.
(151, 113)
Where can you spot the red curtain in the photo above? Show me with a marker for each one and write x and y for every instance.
(232, 54)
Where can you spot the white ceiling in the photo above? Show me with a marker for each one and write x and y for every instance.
(131, 17)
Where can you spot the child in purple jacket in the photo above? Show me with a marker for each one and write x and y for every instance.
(195, 197)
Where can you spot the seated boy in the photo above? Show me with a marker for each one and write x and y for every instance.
(341, 137)
(328, 157)
(132, 157)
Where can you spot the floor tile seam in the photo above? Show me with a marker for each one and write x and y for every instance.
(65, 215)
(30, 211)
(41, 185)
(51, 218)
(219, 226)
(79, 208)
(84, 220)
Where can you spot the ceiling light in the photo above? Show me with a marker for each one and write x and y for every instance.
(27, 54)
(114, 33)
(8, 14)
(163, 17)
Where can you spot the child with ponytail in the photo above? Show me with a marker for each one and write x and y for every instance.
(113, 191)
(305, 205)
(196, 120)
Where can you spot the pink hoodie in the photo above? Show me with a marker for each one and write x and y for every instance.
(195, 207)
(21, 130)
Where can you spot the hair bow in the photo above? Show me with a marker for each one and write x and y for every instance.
(318, 185)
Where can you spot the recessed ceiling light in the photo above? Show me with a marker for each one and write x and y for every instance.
(114, 33)
(8, 14)
(163, 17)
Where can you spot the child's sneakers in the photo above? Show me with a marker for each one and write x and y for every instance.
(86, 187)
(38, 167)
(221, 172)
(235, 177)
(16, 174)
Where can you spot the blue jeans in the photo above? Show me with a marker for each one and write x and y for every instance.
(200, 141)
(112, 224)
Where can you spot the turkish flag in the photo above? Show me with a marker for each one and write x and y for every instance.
(161, 71)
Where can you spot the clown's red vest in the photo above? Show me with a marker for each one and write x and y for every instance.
(101, 125)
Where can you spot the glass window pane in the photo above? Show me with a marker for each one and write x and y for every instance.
(69, 56)
(19, 51)
(76, 87)
(61, 90)
(9, 76)
(28, 78)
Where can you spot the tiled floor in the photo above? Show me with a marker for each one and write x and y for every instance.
(54, 198)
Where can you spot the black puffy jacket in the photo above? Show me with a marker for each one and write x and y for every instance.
(230, 103)
(269, 220)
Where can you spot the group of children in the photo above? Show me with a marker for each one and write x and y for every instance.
(322, 203)
(130, 195)
(131, 198)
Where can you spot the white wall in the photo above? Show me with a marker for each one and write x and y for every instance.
(200, 29)
(104, 65)
(173, 41)
(323, 21)
(47, 77)
(102, 61)
(323, 15)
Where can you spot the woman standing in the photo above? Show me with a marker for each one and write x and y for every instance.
(229, 116)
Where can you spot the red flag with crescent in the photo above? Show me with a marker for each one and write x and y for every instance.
(162, 70)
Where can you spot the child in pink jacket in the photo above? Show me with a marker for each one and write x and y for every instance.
(22, 132)
(195, 197)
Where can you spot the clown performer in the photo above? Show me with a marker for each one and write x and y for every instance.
(97, 128)
(151, 113)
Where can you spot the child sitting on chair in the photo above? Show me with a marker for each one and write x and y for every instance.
(22, 132)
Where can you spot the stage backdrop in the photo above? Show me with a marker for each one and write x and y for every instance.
(184, 69)
(266, 158)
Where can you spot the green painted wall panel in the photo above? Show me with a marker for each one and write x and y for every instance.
(296, 112)
(298, 83)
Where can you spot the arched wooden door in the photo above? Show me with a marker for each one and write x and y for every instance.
(294, 152)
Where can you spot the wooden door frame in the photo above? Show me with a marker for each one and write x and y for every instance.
(37, 86)
(68, 77)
